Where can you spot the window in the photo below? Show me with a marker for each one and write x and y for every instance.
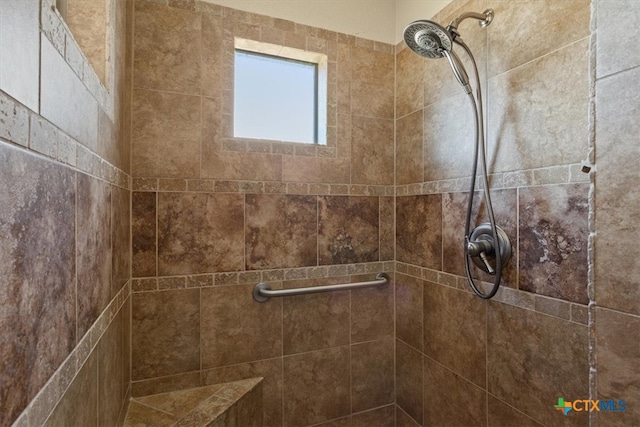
(279, 93)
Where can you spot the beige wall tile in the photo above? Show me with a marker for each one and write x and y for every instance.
(616, 52)
(408, 151)
(410, 80)
(20, 51)
(315, 169)
(617, 195)
(372, 83)
(371, 151)
(514, 34)
(618, 365)
(537, 120)
(166, 134)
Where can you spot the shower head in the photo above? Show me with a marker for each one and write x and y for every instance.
(428, 39)
(431, 40)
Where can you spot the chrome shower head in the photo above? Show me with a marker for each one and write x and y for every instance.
(428, 39)
(431, 40)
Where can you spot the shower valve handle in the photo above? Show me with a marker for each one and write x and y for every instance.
(479, 247)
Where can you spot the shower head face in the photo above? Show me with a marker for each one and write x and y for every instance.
(427, 38)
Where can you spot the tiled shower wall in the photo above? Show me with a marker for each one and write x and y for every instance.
(506, 361)
(213, 215)
(64, 224)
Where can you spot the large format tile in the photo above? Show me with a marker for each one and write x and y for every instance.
(537, 120)
(199, 232)
(120, 237)
(617, 198)
(372, 374)
(110, 365)
(280, 231)
(237, 329)
(615, 50)
(553, 241)
(93, 250)
(387, 228)
(316, 386)
(409, 311)
(167, 48)
(371, 83)
(455, 331)
(409, 161)
(37, 291)
(381, 417)
(409, 380)
(372, 311)
(165, 134)
(316, 321)
(410, 80)
(165, 333)
(517, 33)
(527, 359)
(143, 234)
(419, 230)
(348, 229)
(618, 365)
(503, 415)
(371, 151)
(441, 387)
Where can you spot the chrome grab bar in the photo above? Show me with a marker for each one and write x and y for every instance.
(262, 291)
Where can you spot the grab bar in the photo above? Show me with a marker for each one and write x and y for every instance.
(262, 291)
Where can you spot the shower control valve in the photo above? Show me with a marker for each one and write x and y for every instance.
(481, 247)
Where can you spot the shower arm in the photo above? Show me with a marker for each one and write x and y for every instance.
(485, 19)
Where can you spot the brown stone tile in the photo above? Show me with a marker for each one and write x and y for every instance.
(37, 295)
(83, 389)
(143, 415)
(348, 229)
(165, 333)
(93, 250)
(387, 228)
(316, 169)
(143, 234)
(315, 321)
(20, 42)
(316, 386)
(270, 370)
(211, 54)
(339, 422)
(553, 241)
(503, 415)
(618, 365)
(110, 373)
(180, 402)
(199, 233)
(372, 374)
(538, 120)
(419, 230)
(454, 208)
(280, 231)
(508, 49)
(372, 311)
(410, 80)
(120, 238)
(125, 313)
(616, 193)
(381, 417)
(371, 151)
(237, 329)
(458, 344)
(441, 386)
(409, 312)
(250, 407)
(167, 49)
(371, 83)
(527, 354)
(161, 120)
(409, 380)
(409, 162)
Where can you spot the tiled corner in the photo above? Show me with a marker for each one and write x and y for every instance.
(409, 381)
(409, 161)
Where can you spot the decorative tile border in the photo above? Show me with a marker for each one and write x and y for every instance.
(41, 407)
(147, 284)
(266, 187)
(25, 128)
(561, 309)
(564, 174)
